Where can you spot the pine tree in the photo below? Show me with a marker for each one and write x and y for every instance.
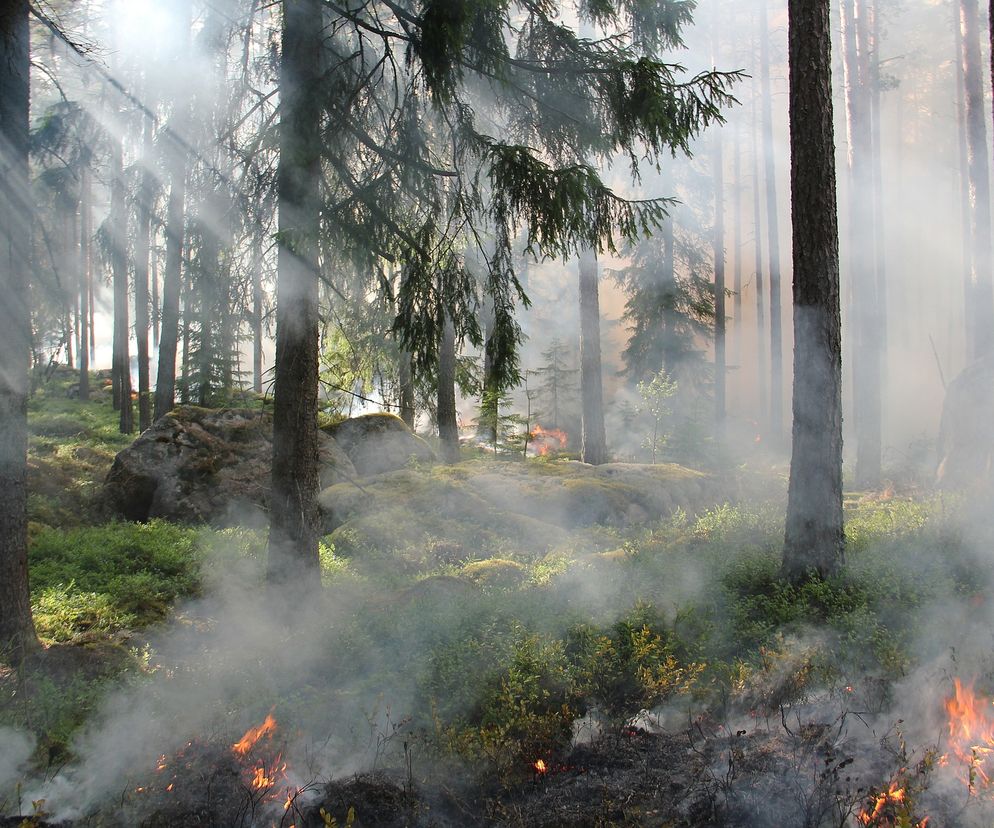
(813, 541)
(17, 634)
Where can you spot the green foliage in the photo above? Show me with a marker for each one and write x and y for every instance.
(558, 387)
(522, 706)
(655, 395)
(629, 667)
(111, 576)
(500, 428)
(62, 612)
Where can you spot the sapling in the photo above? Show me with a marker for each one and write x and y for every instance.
(655, 395)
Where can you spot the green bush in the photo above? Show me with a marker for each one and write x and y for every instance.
(62, 611)
(629, 667)
(118, 574)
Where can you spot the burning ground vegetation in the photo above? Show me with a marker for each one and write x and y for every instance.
(659, 675)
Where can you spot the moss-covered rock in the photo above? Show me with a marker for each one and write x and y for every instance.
(377, 443)
(204, 465)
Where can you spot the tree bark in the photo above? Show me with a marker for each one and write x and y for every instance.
(257, 241)
(293, 532)
(17, 633)
(964, 181)
(981, 301)
(813, 540)
(773, 230)
(85, 233)
(761, 341)
(143, 236)
(593, 448)
(121, 360)
(876, 160)
(406, 379)
(154, 273)
(172, 275)
(719, 283)
(737, 246)
(448, 426)
(667, 280)
(862, 253)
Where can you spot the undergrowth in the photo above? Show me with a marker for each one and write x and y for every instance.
(502, 652)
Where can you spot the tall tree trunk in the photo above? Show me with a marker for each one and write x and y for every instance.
(91, 303)
(737, 245)
(874, 92)
(186, 317)
(210, 310)
(293, 532)
(718, 171)
(593, 447)
(407, 413)
(257, 254)
(773, 231)
(981, 287)
(155, 293)
(85, 233)
(964, 181)
(70, 259)
(17, 633)
(761, 342)
(813, 540)
(121, 359)
(143, 235)
(862, 255)
(486, 430)
(719, 283)
(667, 285)
(172, 275)
(448, 426)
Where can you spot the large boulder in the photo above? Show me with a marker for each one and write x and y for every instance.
(205, 465)
(377, 443)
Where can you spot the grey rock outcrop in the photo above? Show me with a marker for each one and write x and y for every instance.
(205, 465)
(377, 443)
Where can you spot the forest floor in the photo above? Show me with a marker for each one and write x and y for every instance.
(609, 673)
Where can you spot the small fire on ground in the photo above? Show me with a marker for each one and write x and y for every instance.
(971, 734)
(889, 808)
(548, 440)
(263, 770)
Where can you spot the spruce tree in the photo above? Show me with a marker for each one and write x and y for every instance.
(388, 120)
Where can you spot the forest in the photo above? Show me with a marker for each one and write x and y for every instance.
(437, 413)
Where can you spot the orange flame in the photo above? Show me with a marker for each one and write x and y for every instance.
(546, 440)
(540, 766)
(254, 734)
(264, 778)
(892, 796)
(971, 732)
